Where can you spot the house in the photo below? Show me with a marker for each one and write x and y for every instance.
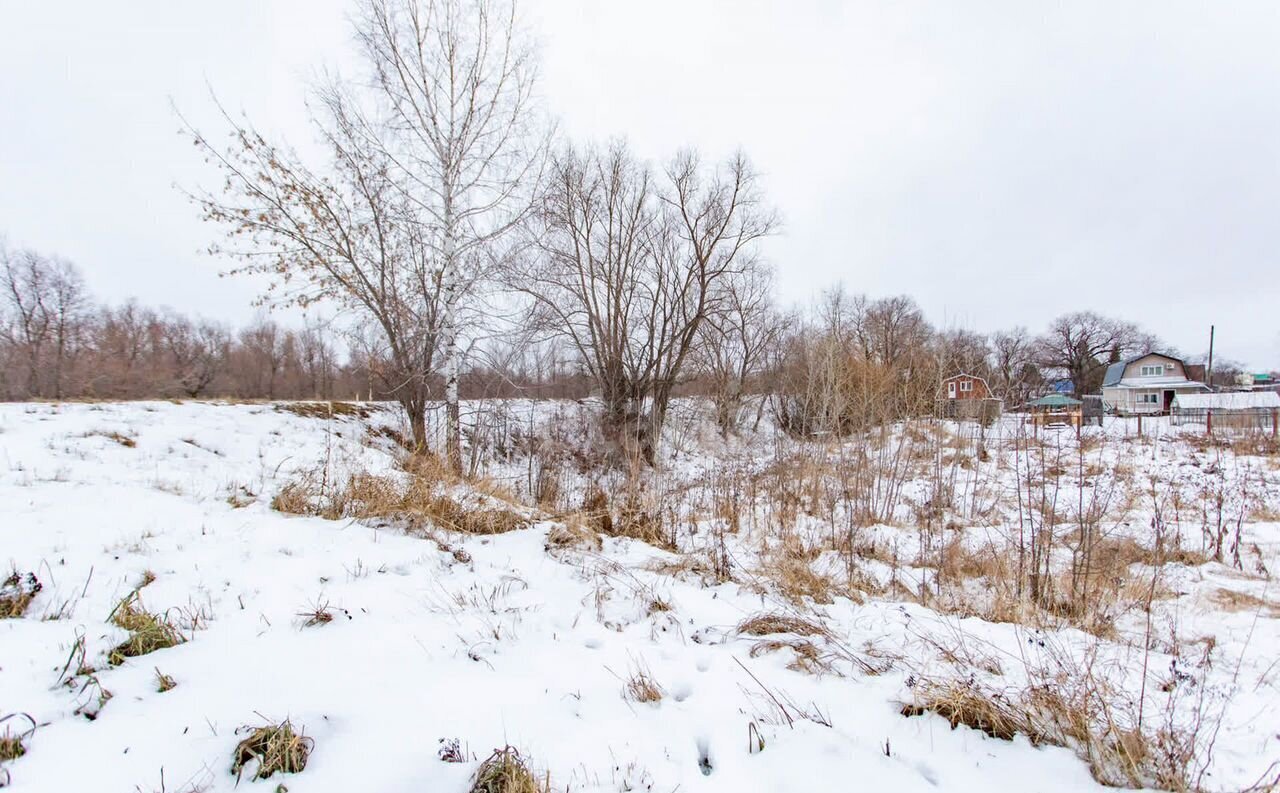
(967, 396)
(1146, 384)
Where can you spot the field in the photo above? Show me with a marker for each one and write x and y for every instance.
(926, 606)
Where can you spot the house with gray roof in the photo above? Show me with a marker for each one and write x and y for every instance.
(1146, 384)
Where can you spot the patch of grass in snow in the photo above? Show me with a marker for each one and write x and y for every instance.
(164, 682)
(573, 532)
(13, 744)
(808, 658)
(319, 613)
(148, 632)
(769, 624)
(641, 687)
(507, 771)
(1235, 600)
(960, 703)
(16, 593)
(112, 435)
(1081, 710)
(272, 749)
(324, 410)
(418, 498)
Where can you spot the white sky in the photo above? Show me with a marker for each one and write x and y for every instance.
(1001, 162)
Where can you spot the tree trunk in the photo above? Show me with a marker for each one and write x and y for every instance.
(453, 411)
(449, 321)
(417, 412)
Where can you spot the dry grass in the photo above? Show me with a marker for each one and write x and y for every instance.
(772, 624)
(293, 499)
(962, 703)
(164, 682)
(808, 658)
(506, 771)
(573, 532)
(16, 594)
(148, 632)
(318, 613)
(1080, 711)
(324, 410)
(13, 744)
(796, 580)
(1234, 600)
(275, 748)
(418, 497)
(112, 435)
(641, 687)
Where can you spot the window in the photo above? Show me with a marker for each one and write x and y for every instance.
(1150, 399)
(1154, 370)
(966, 385)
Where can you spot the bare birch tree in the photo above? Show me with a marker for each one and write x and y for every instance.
(457, 80)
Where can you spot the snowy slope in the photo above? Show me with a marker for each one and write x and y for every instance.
(512, 645)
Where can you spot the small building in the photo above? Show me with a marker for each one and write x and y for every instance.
(967, 396)
(1056, 410)
(1145, 385)
(1245, 410)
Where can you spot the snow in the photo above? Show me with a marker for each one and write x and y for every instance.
(517, 646)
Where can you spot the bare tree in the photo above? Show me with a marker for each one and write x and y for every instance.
(48, 306)
(1081, 343)
(344, 233)
(629, 271)
(456, 78)
(734, 342)
(1013, 365)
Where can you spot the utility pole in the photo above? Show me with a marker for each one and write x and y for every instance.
(1209, 373)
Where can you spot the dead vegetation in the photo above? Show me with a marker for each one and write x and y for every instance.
(641, 687)
(1234, 600)
(164, 682)
(112, 435)
(325, 410)
(16, 594)
(507, 771)
(1076, 708)
(807, 657)
(271, 749)
(772, 624)
(424, 494)
(572, 532)
(148, 632)
(13, 742)
(319, 613)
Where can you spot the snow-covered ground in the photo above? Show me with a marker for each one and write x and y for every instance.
(494, 640)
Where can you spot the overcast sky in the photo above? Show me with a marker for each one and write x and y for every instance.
(999, 162)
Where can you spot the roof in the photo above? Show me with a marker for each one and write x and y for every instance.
(1115, 371)
(1229, 400)
(1178, 384)
(1054, 401)
(965, 374)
